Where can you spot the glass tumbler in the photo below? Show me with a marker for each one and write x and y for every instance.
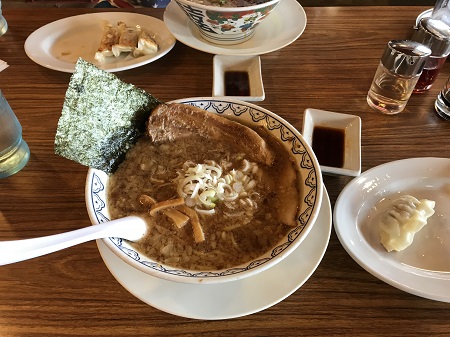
(14, 152)
(442, 103)
(3, 23)
(441, 11)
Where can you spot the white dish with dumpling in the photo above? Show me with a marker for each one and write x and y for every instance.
(59, 44)
(421, 268)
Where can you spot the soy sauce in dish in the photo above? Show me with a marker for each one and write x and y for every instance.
(237, 83)
(329, 146)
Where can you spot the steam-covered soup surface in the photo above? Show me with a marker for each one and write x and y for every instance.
(208, 207)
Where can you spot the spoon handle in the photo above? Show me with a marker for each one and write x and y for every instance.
(131, 228)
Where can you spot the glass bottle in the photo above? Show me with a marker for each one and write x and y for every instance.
(436, 35)
(398, 72)
(3, 23)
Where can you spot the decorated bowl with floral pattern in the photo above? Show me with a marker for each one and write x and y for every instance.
(226, 25)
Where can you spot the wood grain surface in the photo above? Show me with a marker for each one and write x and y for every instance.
(330, 67)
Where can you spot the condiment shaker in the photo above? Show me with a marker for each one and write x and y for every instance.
(436, 35)
(398, 72)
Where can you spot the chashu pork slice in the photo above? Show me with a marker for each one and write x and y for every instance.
(175, 121)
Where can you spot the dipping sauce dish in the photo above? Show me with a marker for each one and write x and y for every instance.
(335, 139)
(238, 77)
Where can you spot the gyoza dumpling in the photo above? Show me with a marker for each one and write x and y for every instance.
(146, 45)
(403, 220)
(109, 38)
(128, 39)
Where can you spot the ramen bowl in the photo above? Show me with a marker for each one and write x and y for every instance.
(310, 181)
(226, 25)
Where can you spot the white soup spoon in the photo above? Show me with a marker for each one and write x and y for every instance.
(130, 228)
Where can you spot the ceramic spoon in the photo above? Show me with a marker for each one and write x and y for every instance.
(130, 228)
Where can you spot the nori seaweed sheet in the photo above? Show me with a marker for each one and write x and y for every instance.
(102, 117)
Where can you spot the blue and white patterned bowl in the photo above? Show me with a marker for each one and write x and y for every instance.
(226, 25)
(311, 190)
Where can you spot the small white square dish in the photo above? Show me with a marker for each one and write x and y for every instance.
(238, 77)
(335, 139)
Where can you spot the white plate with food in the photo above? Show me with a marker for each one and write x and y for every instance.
(282, 27)
(242, 297)
(423, 267)
(59, 44)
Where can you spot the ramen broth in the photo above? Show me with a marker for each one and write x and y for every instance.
(235, 231)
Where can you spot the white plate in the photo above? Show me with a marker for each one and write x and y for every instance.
(232, 299)
(59, 44)
(282, 27)
(422, 269)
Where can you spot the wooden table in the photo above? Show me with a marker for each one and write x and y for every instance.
(330, 67)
